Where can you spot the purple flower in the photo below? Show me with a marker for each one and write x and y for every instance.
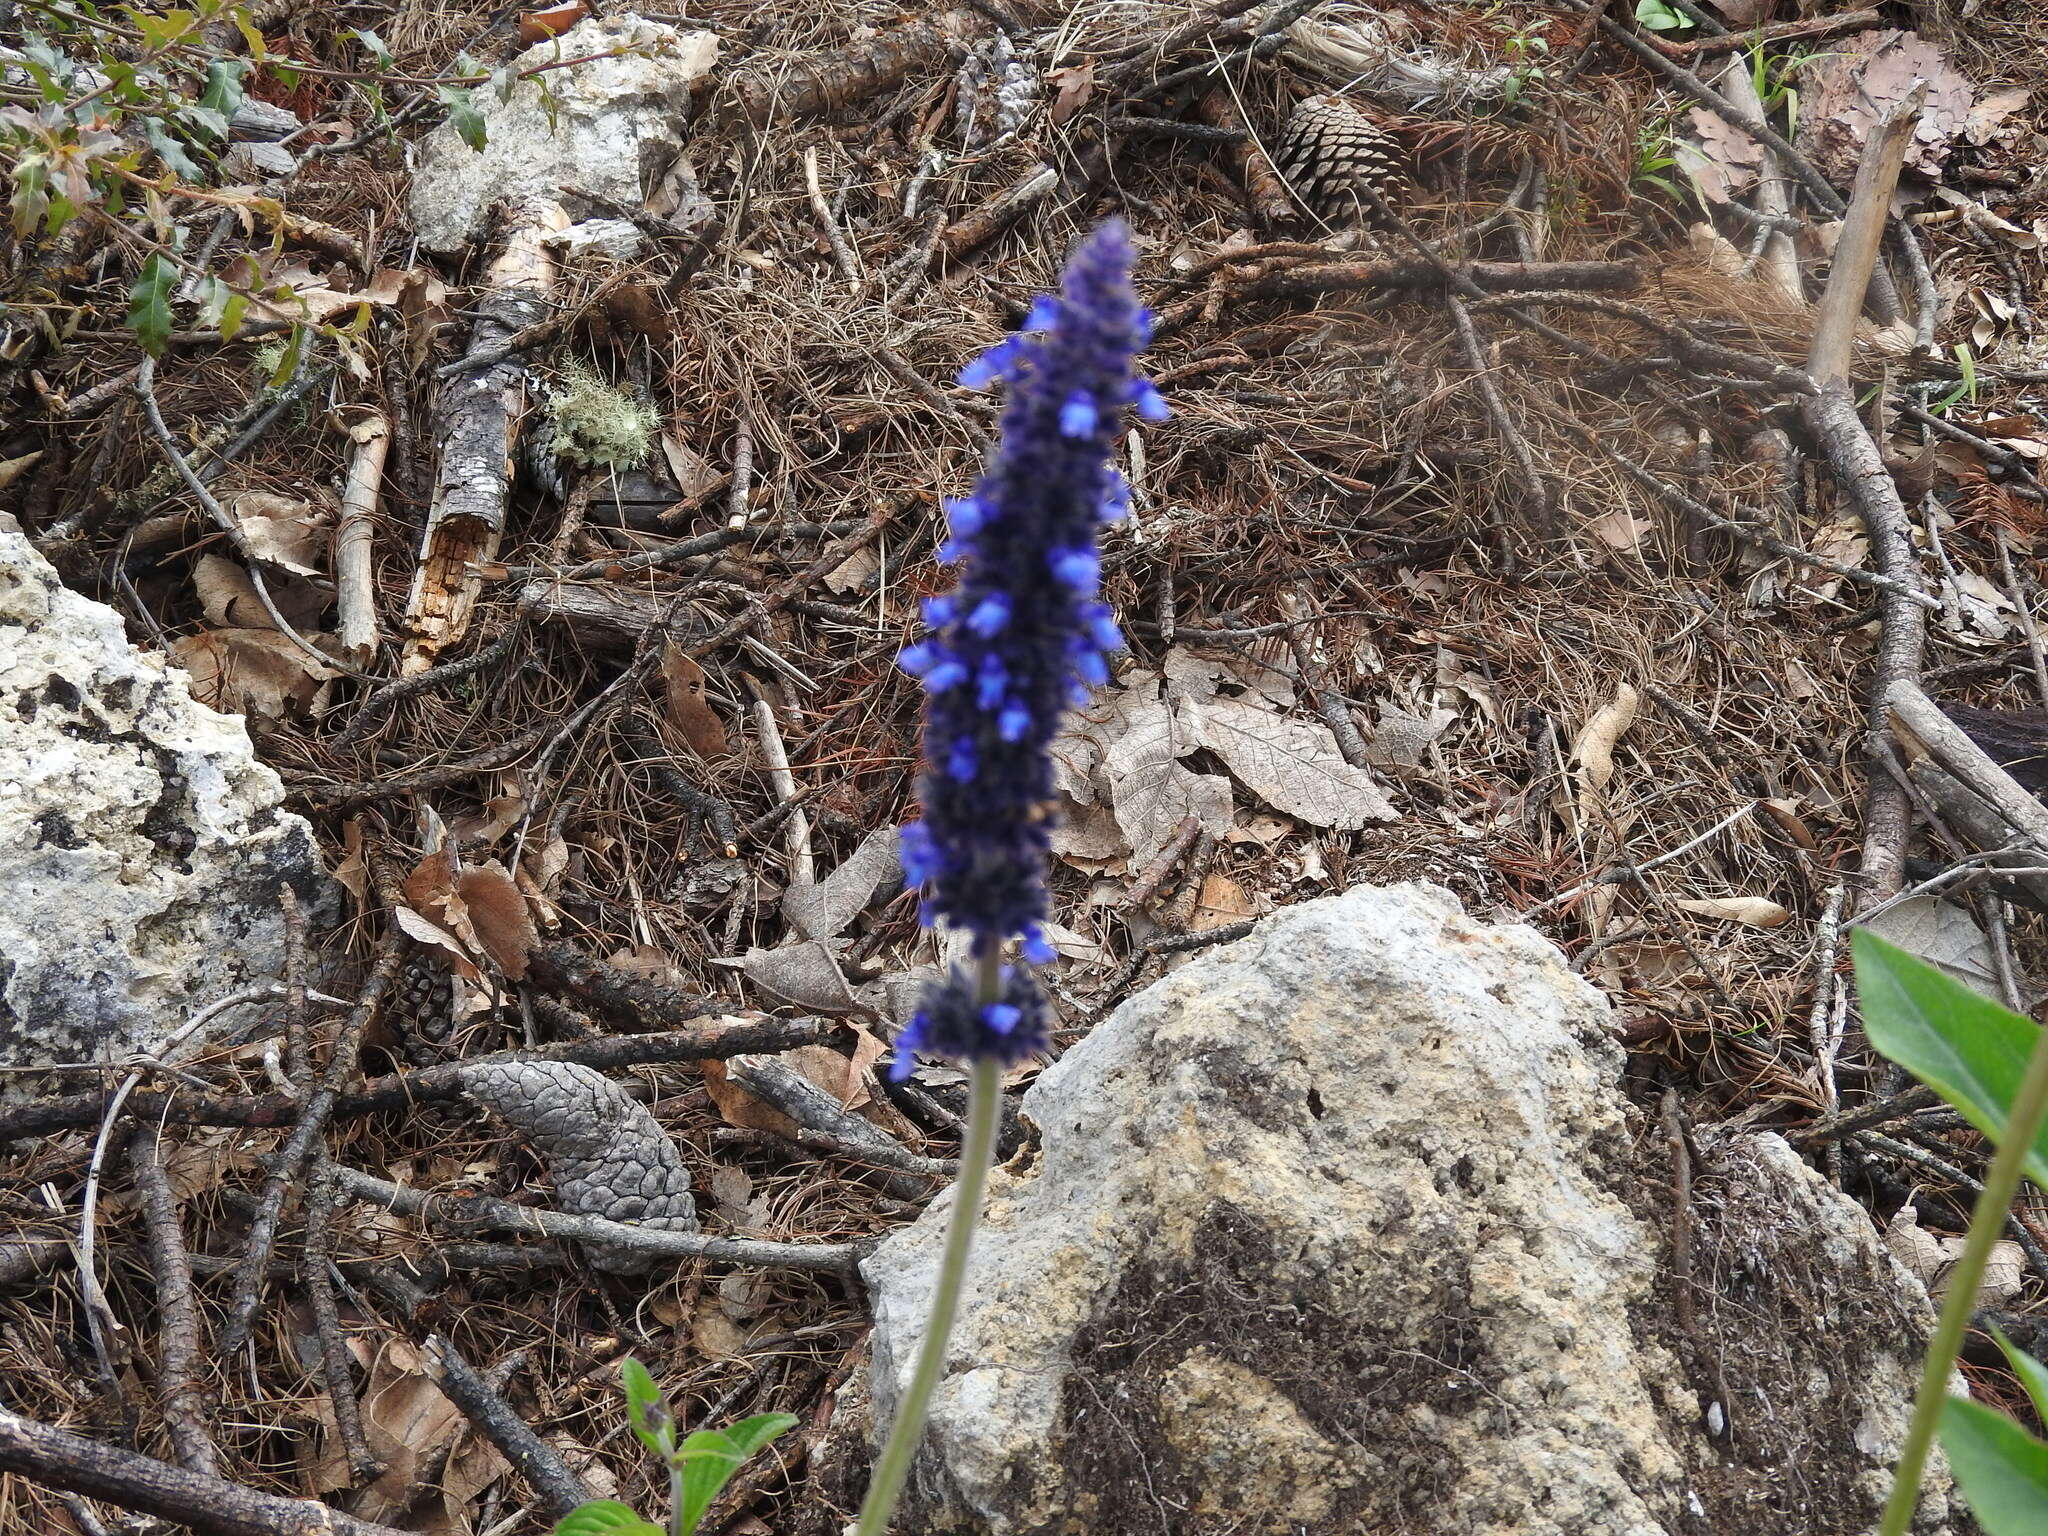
(951, 1021)
(1024, 625)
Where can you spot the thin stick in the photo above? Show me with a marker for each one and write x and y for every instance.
(742, 489)
(44, 1454)
(464, 1212)
(336, 1368)
(2025, 608)
(538, 1462)
(180, 1391)
(842, 252)
(796, 831)
(355, 584)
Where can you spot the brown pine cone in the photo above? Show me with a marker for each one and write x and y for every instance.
(1329, 150)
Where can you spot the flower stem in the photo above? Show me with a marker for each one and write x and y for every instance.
(983, 1113)
(1987, 1220)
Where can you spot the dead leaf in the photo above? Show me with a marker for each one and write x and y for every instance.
(479, 830)
(716, 1334)
(1619, 529)
(284, 531)
(1073, 86)
(1290, 764)
(740, 1107)
(1150, 791)
(251, 671)
(228, 597)
(1402, 740)
(822, 910)
(538, 26)
(409, 1424)
(1943, 934)
(1750, 911)
(1721, 160)
(826, 1070)
(1594, 748)
(853, 572)
(13, 469)
(805, 974)
(692, 472)
(1222, 901)
(479, 905)
(682, 682)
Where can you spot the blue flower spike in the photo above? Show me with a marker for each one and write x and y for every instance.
(1026, 626)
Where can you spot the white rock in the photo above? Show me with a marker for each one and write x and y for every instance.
(605, 126)
(1343, 1229)
(141, 844)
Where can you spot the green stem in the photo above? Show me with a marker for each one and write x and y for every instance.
(983, 1112)
(2001, 1183)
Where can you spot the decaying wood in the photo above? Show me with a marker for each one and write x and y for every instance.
(477, 421)
(1923, 731)
(1862, 234)
(354, 574)
(610, 616)
(1272, 208)
(1776, 257)
(998, 213)
(823, 87)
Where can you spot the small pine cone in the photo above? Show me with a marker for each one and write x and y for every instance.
(1330, 149)
(422, 1008)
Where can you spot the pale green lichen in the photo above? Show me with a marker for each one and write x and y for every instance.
(597, 425)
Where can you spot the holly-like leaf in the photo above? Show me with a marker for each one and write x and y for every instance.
(374, 45)
(463, 115)
(149, 305)
(31, 199)
(709, 1458)
(604, 1517)
(223, 93)
(171, 152)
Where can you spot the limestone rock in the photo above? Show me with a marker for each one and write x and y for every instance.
(141, 844)
(608, 126)
(1344, 1229)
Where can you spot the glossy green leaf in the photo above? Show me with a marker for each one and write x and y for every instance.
(288, 365)
(31, 198)
(1958, 1042)
(149, 305)
(604, 1517)
(2003, 1470)
(710, 1457)
(1661, 17)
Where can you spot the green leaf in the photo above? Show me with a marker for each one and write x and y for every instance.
(149, 305)
(652, 1421)
(2032, 1373)
(1961, 1044)
(288, 364)
(709, 1458)
(463, 115)
(379, 53)
(170, 151)
(1660, 17)
(31, 199)
(604, 1517)
(2002, 1468)
(223, 91)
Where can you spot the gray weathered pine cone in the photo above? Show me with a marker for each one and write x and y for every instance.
(1329, 150)
(605, 1153)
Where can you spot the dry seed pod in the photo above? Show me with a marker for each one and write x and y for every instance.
(605, 1153)
(1330, 150)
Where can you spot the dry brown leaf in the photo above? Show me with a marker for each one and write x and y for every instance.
(408, 1423)
(500, 814)
(251, 671)
(1721, 160)
(1292, 765)
(1073, 87)
(537, 26)
(1986, 118)
(1594, 748)
(853, 572)
(13, 469)
(284, 531)
(228, 597)
(806, 974)
(1150, 791)
(499, 916)
(682, 682)
(822, 909)
(692, 472)
(740, 1107)
(716, 1334)
(1222, 901)
(1846, 89)
(1750, 911)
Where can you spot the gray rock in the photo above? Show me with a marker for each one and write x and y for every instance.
(1344, 1228)
(606, 126)
(141, 844)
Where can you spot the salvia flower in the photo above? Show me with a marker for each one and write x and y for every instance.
(1023, 636)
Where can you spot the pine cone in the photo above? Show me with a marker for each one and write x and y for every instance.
(1330, 149)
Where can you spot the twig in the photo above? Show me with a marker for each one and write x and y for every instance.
(741, 490)
(56, 1458)
(180, 1390)
(1975, 1186)
(460, 1212)
(1175, 943)
(796, 831)
(1335, 712)
(842, 252)
(1681, 1212)
(354, 576)
(803, 1139)
(538, 1462)
(1153, 875)
(377, 706)
(1543, 504)
(341, 1063)
(1856, 247)
(336, 1368)
(983, 224)
(1200, 860)
(2024, 606)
